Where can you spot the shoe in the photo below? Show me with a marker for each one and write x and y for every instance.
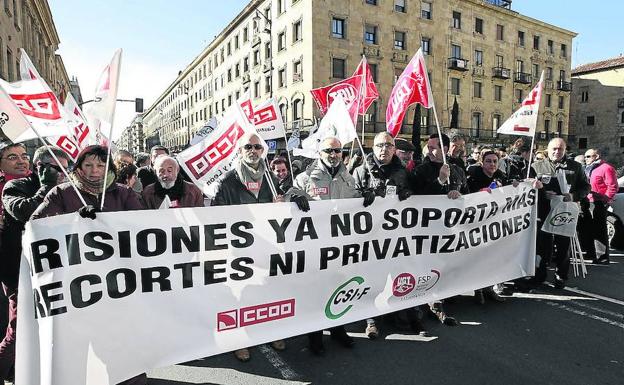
(371, 331)
(502, 289)
(479, 297)
(559, 283)
(342, 337)
(601, 261)
(242, 355)
(316, 343)
(492, 294)
(278, 345)
(445, 319)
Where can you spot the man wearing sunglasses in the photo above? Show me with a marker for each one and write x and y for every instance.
(20, 199)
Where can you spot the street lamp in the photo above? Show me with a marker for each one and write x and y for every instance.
(267, 29)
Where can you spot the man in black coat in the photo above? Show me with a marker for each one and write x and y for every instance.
(147, 174)
(20, 199)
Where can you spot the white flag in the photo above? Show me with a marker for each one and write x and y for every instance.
(524, 120)
(268, 120)
(216, 154)
(12, 122)
(101, 112)
(337, 122)
(78, 138)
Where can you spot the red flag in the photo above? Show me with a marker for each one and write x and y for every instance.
(370, 92)
(348, 89)
(411, 87)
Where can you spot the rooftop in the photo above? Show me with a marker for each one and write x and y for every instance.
(599, 66)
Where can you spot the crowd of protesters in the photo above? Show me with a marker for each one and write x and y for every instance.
(38, 186)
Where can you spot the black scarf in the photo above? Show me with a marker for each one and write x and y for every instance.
(175, 193)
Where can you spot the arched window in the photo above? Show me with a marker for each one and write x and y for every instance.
(298, 109)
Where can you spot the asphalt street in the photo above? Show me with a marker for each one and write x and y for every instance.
(571, 336)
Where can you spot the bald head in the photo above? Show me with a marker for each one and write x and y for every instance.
(556, 149)
(167, 170)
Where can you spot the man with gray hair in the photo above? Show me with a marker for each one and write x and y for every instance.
(170, 184)
(20, 199)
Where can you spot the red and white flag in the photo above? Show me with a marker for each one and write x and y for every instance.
(268, 120)
(370, 93)
(101, 112)
(78, 138)
(244, 101)
(216, 154)
(411, 87)
(27, 68)
(524, 120)
(349, 89)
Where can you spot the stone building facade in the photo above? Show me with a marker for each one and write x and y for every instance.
(480, 53)
(597, 108)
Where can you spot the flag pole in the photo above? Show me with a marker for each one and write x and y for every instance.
(363, 94)
(435, 114)
(289, 159)
(110, 135)
(530, 155)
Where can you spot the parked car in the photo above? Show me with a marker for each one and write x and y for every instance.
(615, 219)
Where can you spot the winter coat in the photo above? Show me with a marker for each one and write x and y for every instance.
(514, 166)
(147, 176)
(426, 179)
(232, 191)
(318, 184)
(477, 179)
(62, 199)
(190, 195)
(20, 198)
(604, 184)
(375, 176)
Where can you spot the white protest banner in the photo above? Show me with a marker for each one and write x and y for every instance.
(524, 120)
(268, 120)
(223, 278)
(216, 154)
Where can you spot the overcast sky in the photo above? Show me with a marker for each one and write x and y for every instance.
(160, 37)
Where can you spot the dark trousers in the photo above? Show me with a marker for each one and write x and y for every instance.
(593, 229)
(552, 248)
(7, 347)
(141, 379)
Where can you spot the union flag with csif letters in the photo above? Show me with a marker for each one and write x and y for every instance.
(411, 87)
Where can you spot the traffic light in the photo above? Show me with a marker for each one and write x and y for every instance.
(138, 105)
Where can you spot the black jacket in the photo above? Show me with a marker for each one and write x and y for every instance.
(426, 179)
(380, 176)
(147, 176)
(232, 191)
(478, 180)
(20, 198)
(514, 166)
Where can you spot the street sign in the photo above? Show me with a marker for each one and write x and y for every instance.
(272, 145)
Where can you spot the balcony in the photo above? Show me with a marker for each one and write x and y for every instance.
(564, 86)
(267, 66)
(246, 78)
(455, 63)
(523, 78)
(501, 73)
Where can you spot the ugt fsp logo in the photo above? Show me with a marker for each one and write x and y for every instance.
(343, 298)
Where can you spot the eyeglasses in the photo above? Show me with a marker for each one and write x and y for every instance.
(254, 146)
(384, 145)
(330, 150)
(589, 156)
(14, 157)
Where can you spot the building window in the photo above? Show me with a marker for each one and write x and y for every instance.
(371, 2)
(564, 50)
(236, 42)
(267, 84)
(399, 40)
(562, 75)
(498, 93)
(500, 61)
(370, 34)
(549, 73)
(455, 51)
(281, 41)
(397, 74)
(478, 58)
(298, 109)
(519, 95)
(399, 6)
(496, 121)
(477, 89)
(479, 26)
(547, 126)
(246, 64)
(425, 44)
(338, 68)
(455, 86)
(297, 71)
(536, 72)
(229, 48)
(621, 141)
(456, 20)
(281, 6)
(584, 96)
(256, 56)
(622, 117)
(582, 143)
(590, 120)
(560, 104)
(257, 89)
(245, 34)
(548, 101)
(476, 122)
(338, 28)
(559, 127)
(521, 38)
(10, 68)
(237, 70)
(425, 10)
(536, 42)
(297, 31)
(281, 78)
(373, 70)
(551, 47)
(500, 32)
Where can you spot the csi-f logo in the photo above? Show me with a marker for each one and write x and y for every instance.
(42, 106)
(343, 298)
(251, 315)
(4, 118)
(562, 219)
(347, 91)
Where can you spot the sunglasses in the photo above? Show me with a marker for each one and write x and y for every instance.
(254, 146)
(330, 150)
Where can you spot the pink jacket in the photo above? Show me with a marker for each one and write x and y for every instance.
(604, 184)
